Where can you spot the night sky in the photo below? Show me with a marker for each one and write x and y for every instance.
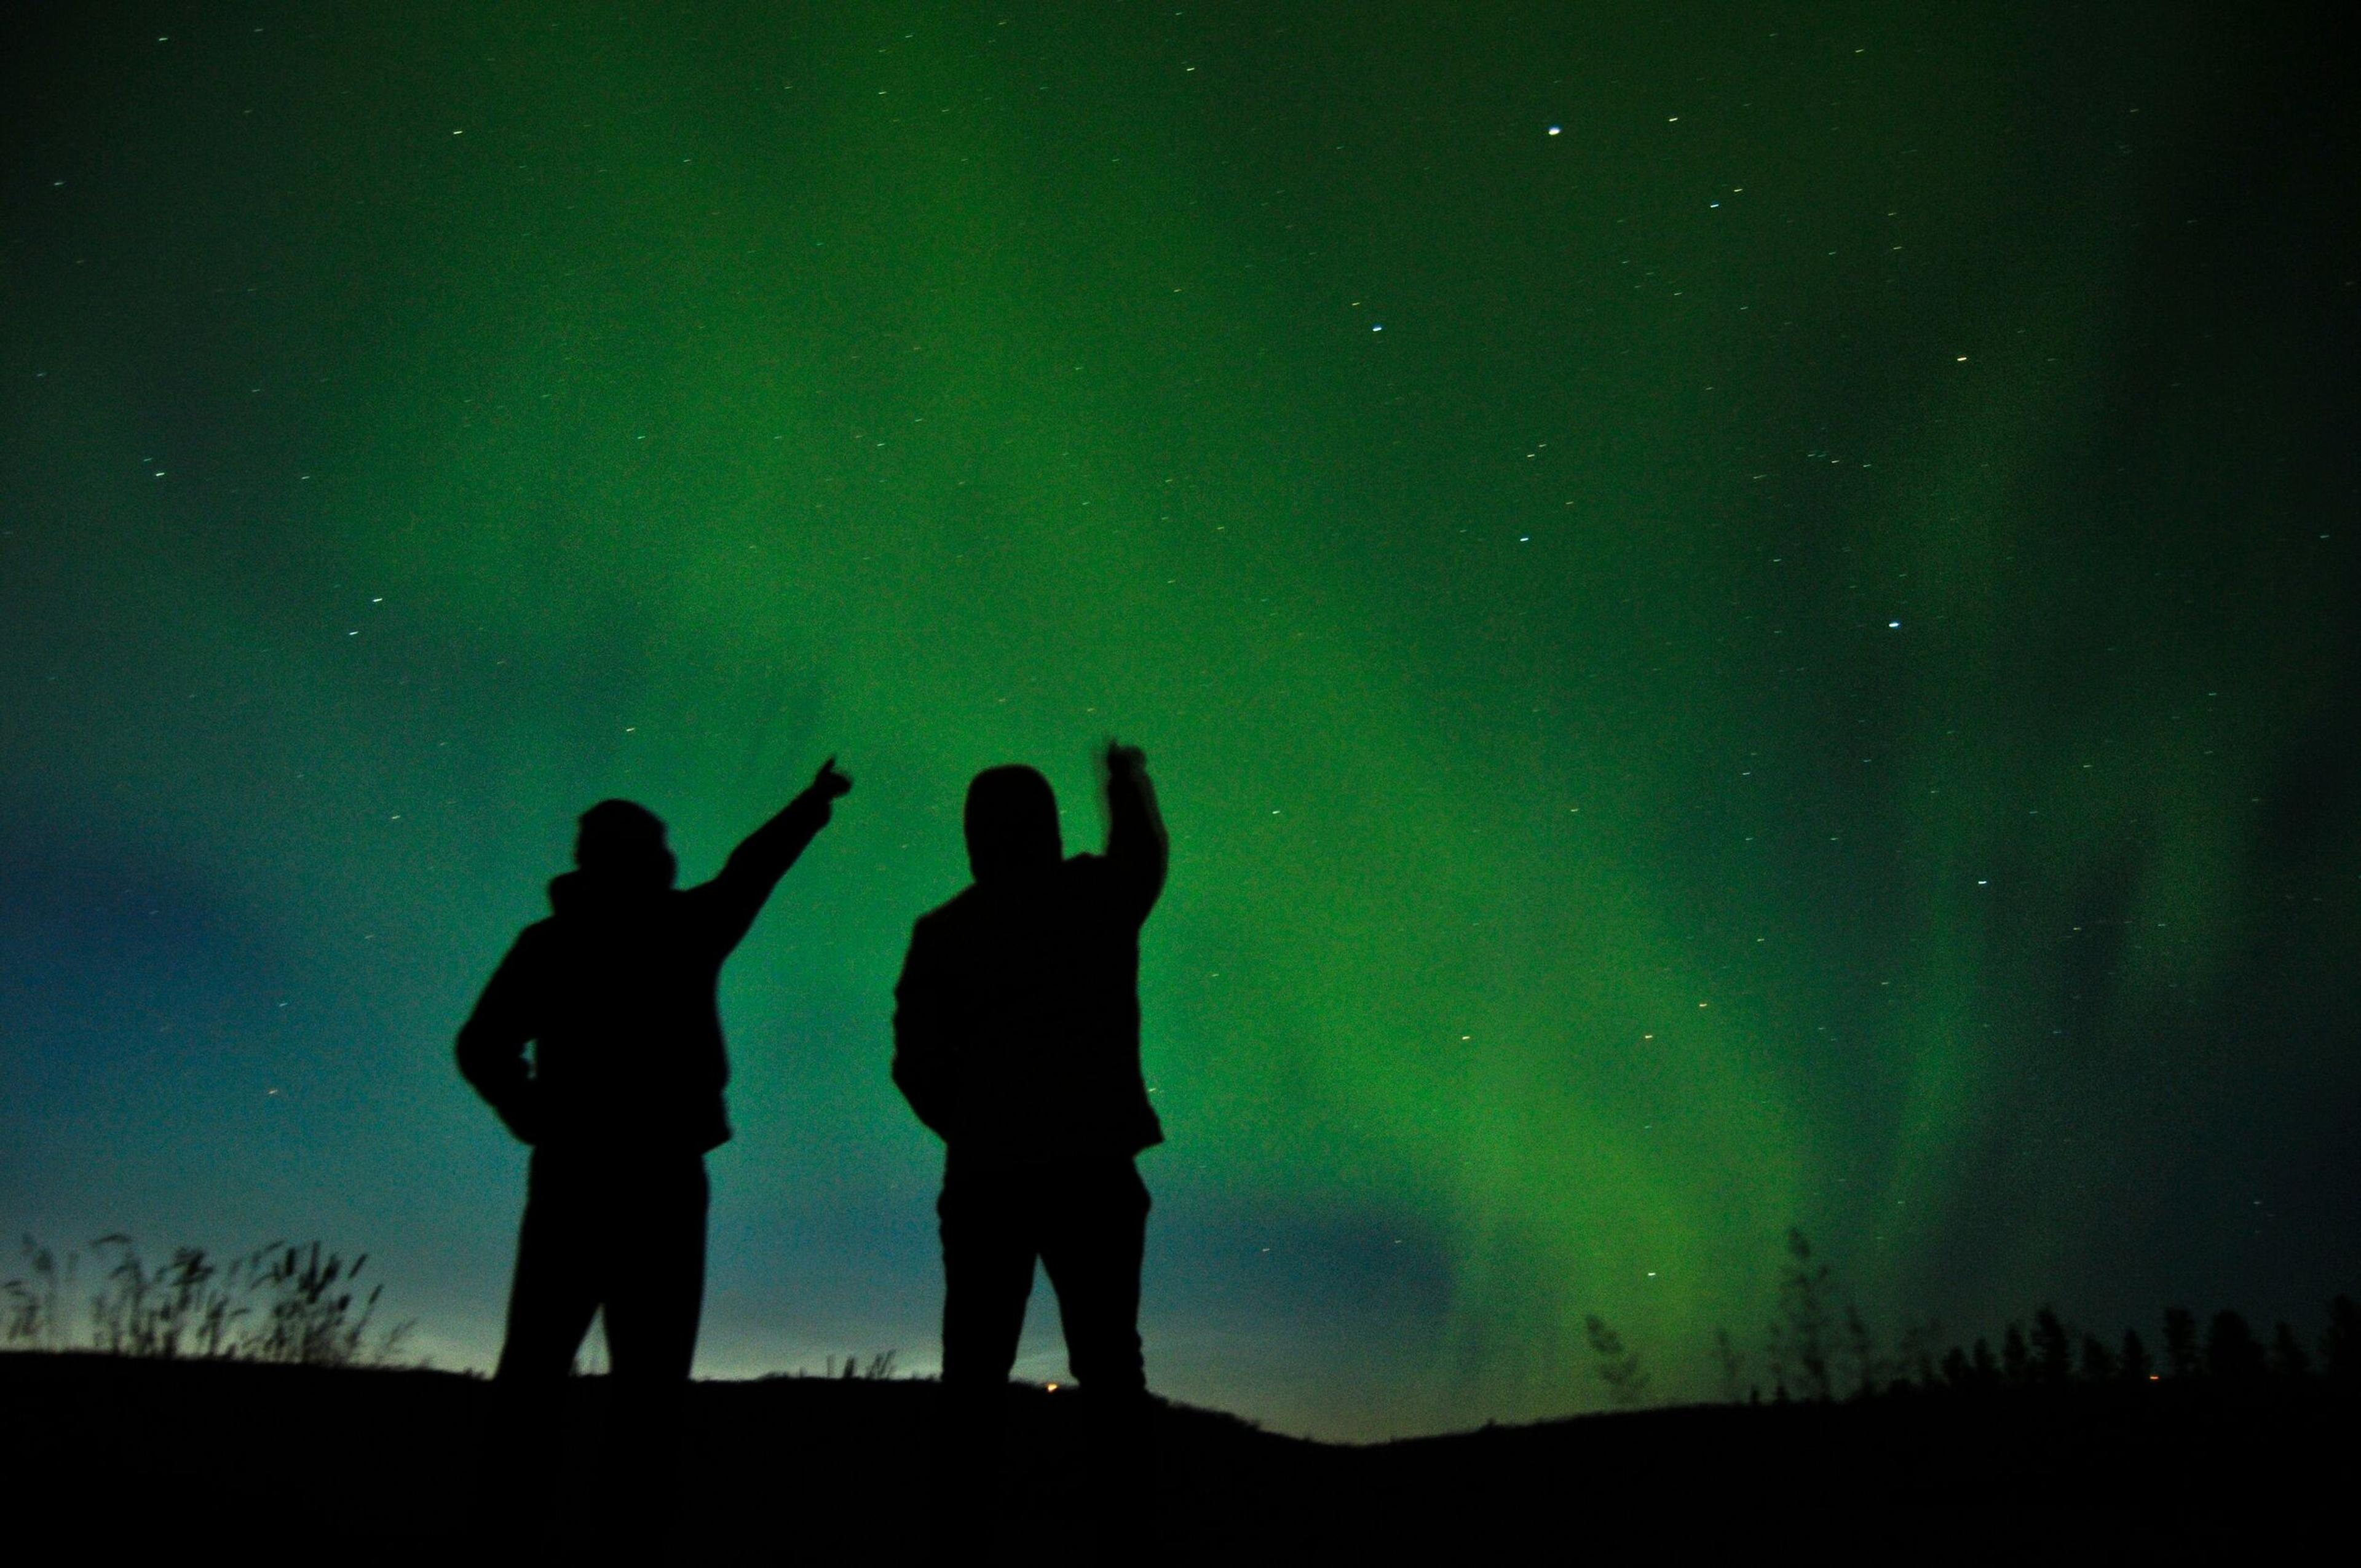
(1745, 616)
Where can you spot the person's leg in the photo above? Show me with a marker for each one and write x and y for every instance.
(654, 1261)
(554, 1292)
(1094, 1241)
(987, 1276)
(655, 1297)
(988, 1254)
(552, 1298)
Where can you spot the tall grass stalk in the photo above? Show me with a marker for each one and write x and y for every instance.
(293, 1304)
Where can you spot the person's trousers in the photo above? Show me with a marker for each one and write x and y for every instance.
(625, 1237)
(1085, 1221)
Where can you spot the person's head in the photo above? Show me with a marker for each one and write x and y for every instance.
(1012, 824)
(622, 842)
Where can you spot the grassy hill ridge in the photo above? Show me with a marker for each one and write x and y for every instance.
(375, 1466)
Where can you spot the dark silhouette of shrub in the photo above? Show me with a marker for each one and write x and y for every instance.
(2138, 1365)
(2053, 1350)
(2180, 1357)
(1814, 1353)
(2015, 1358)
(2288, 1358)
(1866, 1366)
(1618, 1368)
(1914, 1354)
(2232, 1352)
(1799, 1342)
(2340, 1346)
(1730, 1365)
(2049, 1356)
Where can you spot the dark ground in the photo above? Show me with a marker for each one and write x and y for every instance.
(146, 1457)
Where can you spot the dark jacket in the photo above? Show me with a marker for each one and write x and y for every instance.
(1017, 1019)
(615, 991)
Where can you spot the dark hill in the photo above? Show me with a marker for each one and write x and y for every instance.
(158, 1458)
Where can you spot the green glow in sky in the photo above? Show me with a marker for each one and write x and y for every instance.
(1742, 619)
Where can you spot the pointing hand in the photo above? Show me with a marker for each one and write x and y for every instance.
(830, 784)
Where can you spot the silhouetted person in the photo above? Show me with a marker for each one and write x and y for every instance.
(620, 1102)
(1016, 1039)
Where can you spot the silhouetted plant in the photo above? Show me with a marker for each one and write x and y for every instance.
(1732, 1365)
(2053, 1349)
(1799, 1337)
(1914, 1353)
(310, 1320)
(184, 1309)
(2052, 1354)
(2138, 1365)
(2340, 1344)
(20, 1318)
(192, 1306)
(30, 1319)
(879, 1368)
(1867, 1367)
(1618, 1368)
(2232, 1352)
(2016, 1357)
(2180, 1357)
(1981, 1367)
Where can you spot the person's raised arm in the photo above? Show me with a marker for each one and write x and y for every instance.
(491, 1045)
(1136, 846)
(757, 865)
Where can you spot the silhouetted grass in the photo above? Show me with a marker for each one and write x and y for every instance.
(30, 1319)
(882, 1366)
(296, 1305)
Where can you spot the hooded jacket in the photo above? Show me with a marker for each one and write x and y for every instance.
(1017, 1018)
(615, 993)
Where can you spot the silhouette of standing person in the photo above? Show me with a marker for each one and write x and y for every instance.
(622, 1100)
(1016, 1040)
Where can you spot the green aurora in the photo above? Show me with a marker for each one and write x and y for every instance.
(1743, 617)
